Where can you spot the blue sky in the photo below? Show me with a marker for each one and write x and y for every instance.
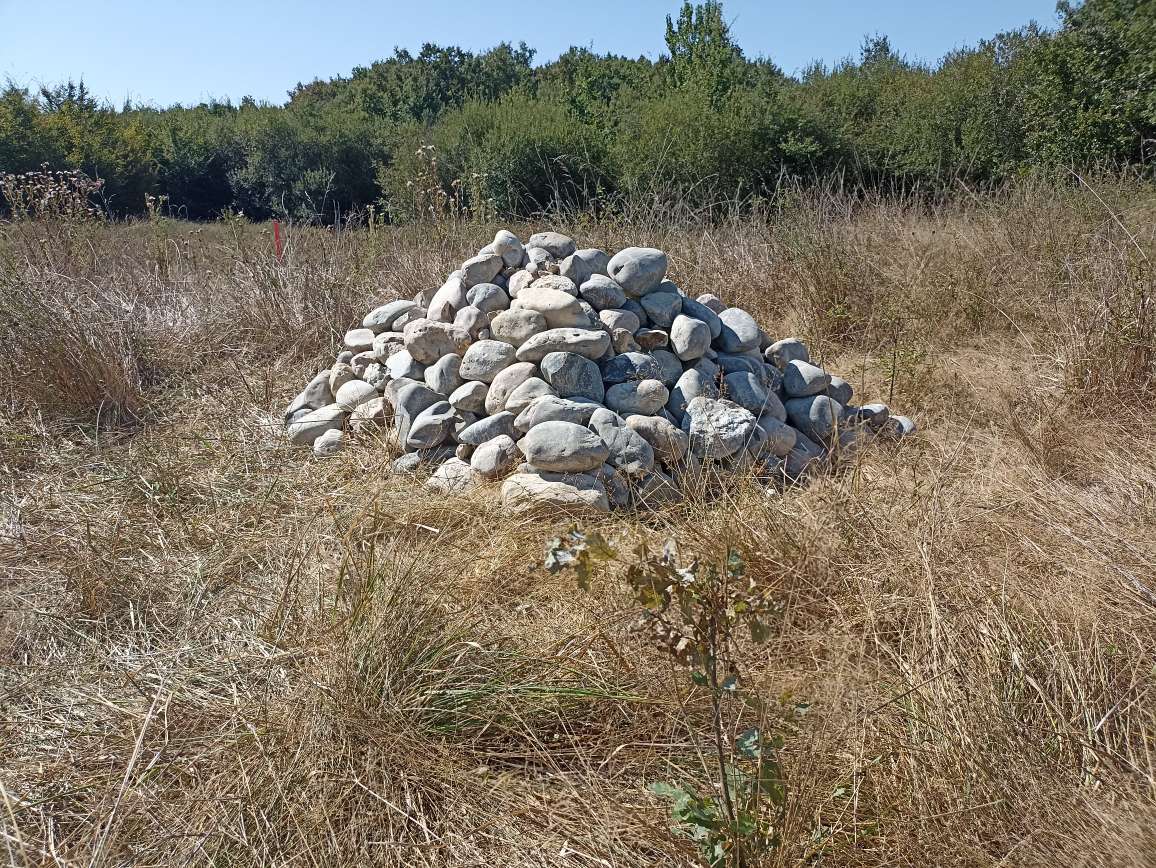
(161, 52)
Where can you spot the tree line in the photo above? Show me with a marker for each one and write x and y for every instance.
(491, 133)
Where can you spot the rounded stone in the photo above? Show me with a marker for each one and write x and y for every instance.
(447, 301)
(701, 312)
(619, 319)
(602, 293)
(508, 246)
(645, 397)
(559, 246)
(430, 427)
(354, 393)
(487, 429)
(781, 353)
(570, 375)
(556, 282)
(638, 270)
(381, 319)
(402, 365)
(453, 476)
(359, 340)
(443, 376)
(470, 397)
(340, 374)
(816, 416)
(802, 379)
(484, 360)
(662, 307)
(488, 297)
(692, 384)
(689, 337)
(507, 380)
(551, 408)
(711, 301)
(585, 342)
(668, 441)
(651, 339)
(495, 458)
(481, 269)
(428, 341)
(329, 443)
(779, 438)
(717, 428)
(563, 447)
(669, 365)
(746, 390)
(305, 430)
(840, 390)
(739, 331)
(631, 366)
(560, 309)
(581, 265)
(526, 393)
(517, 326)
(519, 281)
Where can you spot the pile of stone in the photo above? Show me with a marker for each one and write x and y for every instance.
(580, 379)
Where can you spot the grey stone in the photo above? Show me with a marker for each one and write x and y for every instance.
(523, 492)
(316, 394)
(410, 400)
(632, 305)
(669, 365)
(816, 416)
(353, 393)
(524, 395)
(840, 390)
(487, 429)
(430, 427)
(484, 360)
(628, 450)
(802, 379)
(638, 270)
(661, 307)
(712, 301)
(305, 430)
(778, 437)
(570, 374)
(806, 455)
(519, 281)
(631, 366)
(515, 327)
(481, 269)
(780, 353)
(443, 375)
(495, 458)
(699, 311)
(585, 342)
(506, 382)
(359, 340)
(581, 265)
(374, 412)
(539, 259)
(746, 390)
(619, 319)
(622, 341)
(556, 282)
(402, 365)
(646, 397)
(470, 397)
(655, 489)
(473, 320)
(361, 362)
(488, 297)
(559, 246)
(692, 384)
(551, 408)
(452, 476)
(560, 309)
(447, 301)
(388, 343)
(602, 293)
(718, 428)
(563, 447)
(329, 443)
(428, 341)
(508, 246)
(689, 337)
(380, 319)
(668, 441)
(739, 331)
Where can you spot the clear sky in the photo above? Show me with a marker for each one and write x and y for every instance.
(161, 52)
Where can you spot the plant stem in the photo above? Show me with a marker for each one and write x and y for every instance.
(720, 750)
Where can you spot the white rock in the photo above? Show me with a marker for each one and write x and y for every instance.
(504, 384)
(495, 458)
(354, 393)
(585, 342)
(428, 341)
(525, 491)
(560, 309)
(304, 431)
(329, 443)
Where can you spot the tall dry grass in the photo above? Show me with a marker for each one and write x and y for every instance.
(215, 650)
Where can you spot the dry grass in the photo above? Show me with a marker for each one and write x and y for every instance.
(214, 650)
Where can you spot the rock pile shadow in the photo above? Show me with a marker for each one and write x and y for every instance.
(581, 379)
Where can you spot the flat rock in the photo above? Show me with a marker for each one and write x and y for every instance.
(523, 492)
(380, 319)
(585, 342)
(560, 309)
(305, 430)
(661, 307)
(487, 429)
(481, 269)
(559, 246)
(781, 353)
(359, 340)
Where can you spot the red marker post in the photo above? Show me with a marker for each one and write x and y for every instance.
(277, 239)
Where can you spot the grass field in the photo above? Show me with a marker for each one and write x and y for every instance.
(215, 649)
